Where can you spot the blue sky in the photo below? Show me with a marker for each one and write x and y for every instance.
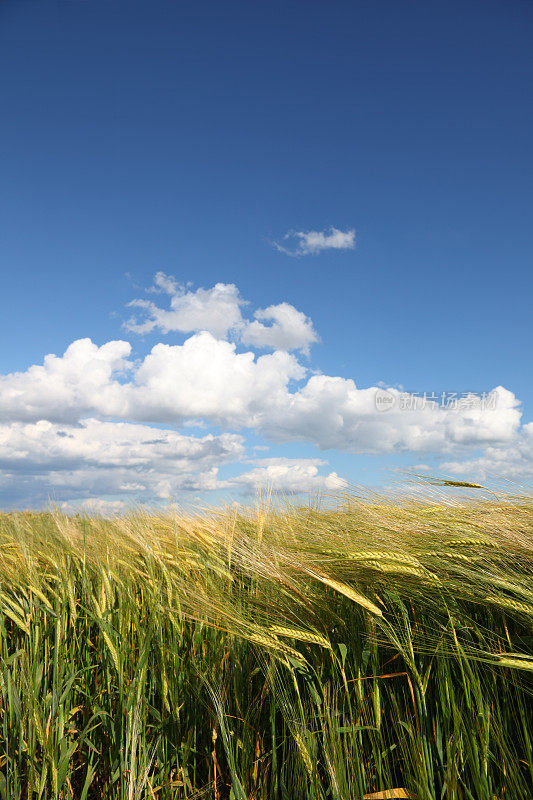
(140, 138)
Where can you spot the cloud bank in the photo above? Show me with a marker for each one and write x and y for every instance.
(513, 460)
(206, 378)
(96, 424)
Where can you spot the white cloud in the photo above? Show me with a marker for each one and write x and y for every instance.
(217, 310)
(203, 378)
(206, 378)
(93, 462)
(513, 461)
(333, 413)
(95, 506)
(304, 243)
(287, 475)
(65, 388)
(81, 426)
(290, 329)
(110, 458)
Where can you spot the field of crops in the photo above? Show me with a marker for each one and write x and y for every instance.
(361, 648)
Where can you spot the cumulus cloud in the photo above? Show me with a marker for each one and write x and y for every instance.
(287, 475)
(45, 460)
(217, 310)
(207, 378)
(289, 329)
(334, 413)
(513, 460)
(203, 378)
(95, 463)
(95, 506)
(83, 380)
(112, 444)
(90, 423)
(305, 243)
(109, 458)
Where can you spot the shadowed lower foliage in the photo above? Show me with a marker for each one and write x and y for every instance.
(365, 647)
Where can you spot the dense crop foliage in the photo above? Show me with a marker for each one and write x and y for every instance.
(289, 653)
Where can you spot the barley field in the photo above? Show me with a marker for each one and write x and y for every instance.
(356, 647)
